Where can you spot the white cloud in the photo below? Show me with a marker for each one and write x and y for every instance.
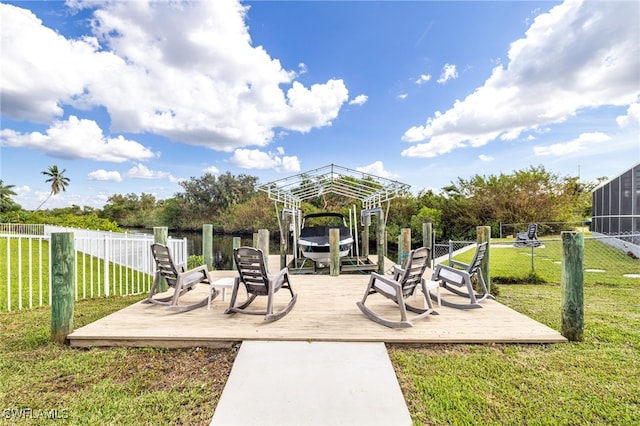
(290, 164)
(260, 160)
(633, 115)
(101, 174)
(485, 158)
(449, 72)
(212, 170)
(377, 169)
(78, 138)
(579, 55)
(583, 142)
(403, 96)
(146, 62)
(424, 78)
(359, 100)
(140, 171)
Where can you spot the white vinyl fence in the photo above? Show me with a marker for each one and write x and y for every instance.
(107, 263)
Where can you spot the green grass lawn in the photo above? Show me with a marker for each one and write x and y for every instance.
(596, 381)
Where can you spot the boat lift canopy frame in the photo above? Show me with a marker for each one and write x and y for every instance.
(371, 190)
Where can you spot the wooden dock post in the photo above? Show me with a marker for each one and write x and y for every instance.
(160, 236)
(381, 241)
(404, 245)
(483, 235)
(236, 242)
(572, 285)
(263, 243)
(334, 252)
(427, 239)
(63, 277)
(207, 245)
(365, 236)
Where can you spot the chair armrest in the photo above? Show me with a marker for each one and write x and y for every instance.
(397, 271)
(386, 281)
(283, 272)
(457, 263)
(450, 275)
(193, 274)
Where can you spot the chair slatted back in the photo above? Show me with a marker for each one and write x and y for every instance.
(533, 231)
(477, 258)
(164, 263)
(414, 268)
(252, 269)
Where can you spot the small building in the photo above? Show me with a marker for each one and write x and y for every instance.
(616, 210)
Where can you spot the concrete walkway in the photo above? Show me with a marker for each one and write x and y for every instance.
(311, 383)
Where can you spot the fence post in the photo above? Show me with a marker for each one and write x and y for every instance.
(572, 285)
(160, 236)
(405, 245)
(483, 235)
(63, 276)
(427, 239)
(334, 252)
(207, 245)
(236, 242)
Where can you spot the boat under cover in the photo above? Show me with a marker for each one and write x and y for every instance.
(314, 239)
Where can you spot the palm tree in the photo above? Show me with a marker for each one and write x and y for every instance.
(58, 181)
(6, 191)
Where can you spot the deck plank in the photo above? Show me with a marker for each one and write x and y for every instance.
(325, 311)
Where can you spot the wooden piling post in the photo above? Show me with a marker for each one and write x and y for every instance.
(207, 245)
(63, 277)
(263, 244)
(404, 245)
(483, 235)
(365, 236)
(572, 285)
(160, 236)
(236, 242)
(334, 252)
(381, 241)
(427, 239)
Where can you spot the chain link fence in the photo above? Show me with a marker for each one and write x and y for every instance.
(544, 228)
(608, 260)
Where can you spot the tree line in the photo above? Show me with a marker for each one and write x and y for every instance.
(233, 204)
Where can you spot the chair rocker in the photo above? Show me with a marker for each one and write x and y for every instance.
(257, 281)
(179, 279)
(458, 281)
(399, 288)
(529, 238)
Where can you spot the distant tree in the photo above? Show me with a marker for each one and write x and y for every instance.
(6, 203)
(205, 198)
(525, 196)
(58, 181)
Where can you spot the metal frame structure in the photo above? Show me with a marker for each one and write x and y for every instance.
(372, 191)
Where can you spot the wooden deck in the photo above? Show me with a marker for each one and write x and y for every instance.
(325, 311)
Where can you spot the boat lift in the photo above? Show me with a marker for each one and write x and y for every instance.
(372, 191)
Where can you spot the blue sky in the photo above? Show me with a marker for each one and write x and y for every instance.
(133, 96)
